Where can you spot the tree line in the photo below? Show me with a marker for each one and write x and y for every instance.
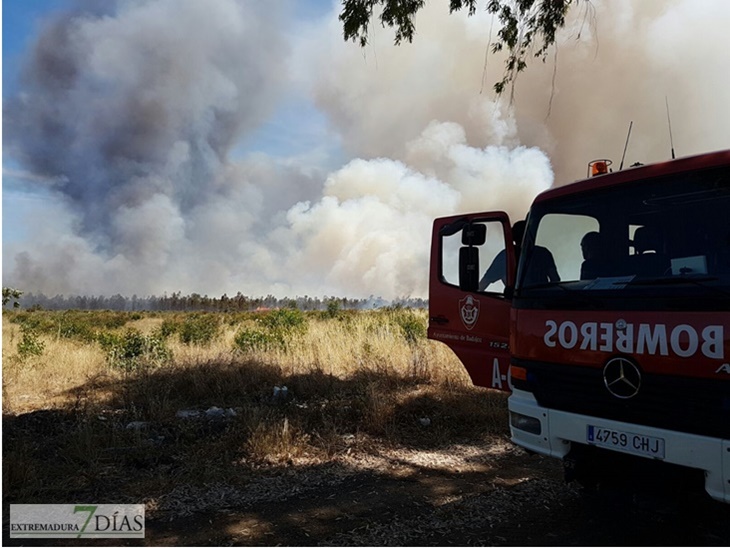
(195, 302)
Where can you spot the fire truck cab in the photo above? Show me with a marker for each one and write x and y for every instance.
(608, 320)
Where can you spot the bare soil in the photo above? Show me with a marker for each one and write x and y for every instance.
(486, 493)
(494, 494)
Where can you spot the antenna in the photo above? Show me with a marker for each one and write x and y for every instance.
(626, 146)
(669, 121)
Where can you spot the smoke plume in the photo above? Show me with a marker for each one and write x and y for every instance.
(132, 117)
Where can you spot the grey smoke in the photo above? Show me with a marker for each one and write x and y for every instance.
(131, 116)
(138, 108)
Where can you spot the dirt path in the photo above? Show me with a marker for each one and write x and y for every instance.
(484, 491)
(490, 495)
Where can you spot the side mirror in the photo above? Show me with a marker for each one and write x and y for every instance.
(471, 235)
(474, 234)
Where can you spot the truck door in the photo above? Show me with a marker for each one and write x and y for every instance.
(471, 279)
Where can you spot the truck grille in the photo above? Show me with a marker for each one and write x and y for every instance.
(695, 406)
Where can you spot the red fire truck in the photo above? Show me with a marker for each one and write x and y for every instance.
(609, 320)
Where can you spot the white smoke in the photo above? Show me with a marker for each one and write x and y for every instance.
(370, 233)
(133, 114)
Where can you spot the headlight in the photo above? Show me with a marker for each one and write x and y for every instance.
(523, 422)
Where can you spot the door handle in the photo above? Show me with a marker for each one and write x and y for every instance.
(440, 319)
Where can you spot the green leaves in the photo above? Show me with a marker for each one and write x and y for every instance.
(355, 19)
(200, 329)
(133, 350)
(11, 294)
(30, 344)
(275, 330)
(400, 15)
(524, 24)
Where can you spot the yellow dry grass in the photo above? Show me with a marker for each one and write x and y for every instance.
(44, 382)
(353, 376)
(339, 348)
(343, 348)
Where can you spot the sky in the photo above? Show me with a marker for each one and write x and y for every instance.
(154, 146)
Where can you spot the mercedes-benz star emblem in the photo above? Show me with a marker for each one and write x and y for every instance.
(622, 378)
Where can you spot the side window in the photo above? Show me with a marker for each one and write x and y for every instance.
(484, 258)
(561, 235)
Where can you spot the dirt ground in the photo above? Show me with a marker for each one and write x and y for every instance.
(491, 495)
(488, 494)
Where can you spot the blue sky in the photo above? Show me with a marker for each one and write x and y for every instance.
(20, 20)
(19, 24)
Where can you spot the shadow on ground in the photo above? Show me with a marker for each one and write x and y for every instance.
(210, 437)
(373, 459)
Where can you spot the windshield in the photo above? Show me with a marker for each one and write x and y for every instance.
(667, 237)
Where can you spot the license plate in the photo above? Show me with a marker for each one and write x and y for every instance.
(627, 442)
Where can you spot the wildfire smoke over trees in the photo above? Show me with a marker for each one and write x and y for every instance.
(176, 301)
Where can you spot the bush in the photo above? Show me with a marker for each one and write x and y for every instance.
(251, 340)
(30, 344)
(285, 320)
(166, 329)
(38, 322)
(275, 330)
(412, 327)
(133, 350)
(80, 325)
(108, 340)
(199, 329)
(333, 309)
(74, 326)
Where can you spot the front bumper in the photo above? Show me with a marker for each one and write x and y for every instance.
(559, 429)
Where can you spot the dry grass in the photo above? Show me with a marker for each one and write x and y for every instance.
(76, 425)
(42, 382)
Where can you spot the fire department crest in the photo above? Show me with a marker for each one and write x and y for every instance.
(469, 311)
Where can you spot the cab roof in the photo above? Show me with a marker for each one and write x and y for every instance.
(649, 171)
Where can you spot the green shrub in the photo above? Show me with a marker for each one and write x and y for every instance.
(274, 330)
(133, 350)
(30, 344)
(199, 329)
(412, 327)
(108, 340)
(75, 326)
(81, 325)
(285, 320)
(333, 309)
(252, 340)
(38, 321)
(166, 329)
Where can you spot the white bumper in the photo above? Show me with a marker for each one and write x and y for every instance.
(559, 428)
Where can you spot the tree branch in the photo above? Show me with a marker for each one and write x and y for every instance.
(523, 23)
